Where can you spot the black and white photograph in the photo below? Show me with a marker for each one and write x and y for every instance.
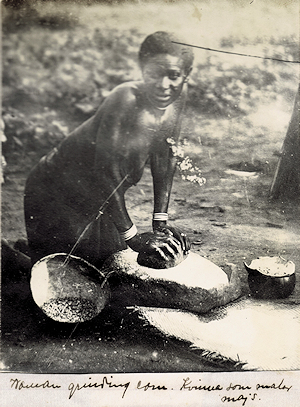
(150, 203)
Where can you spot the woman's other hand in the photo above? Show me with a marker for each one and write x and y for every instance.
(178, 235)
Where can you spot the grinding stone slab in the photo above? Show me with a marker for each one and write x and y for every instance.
(196, 284)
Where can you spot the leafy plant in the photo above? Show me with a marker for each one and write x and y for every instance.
(188, 170)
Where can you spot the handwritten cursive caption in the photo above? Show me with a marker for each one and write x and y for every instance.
(233, 394)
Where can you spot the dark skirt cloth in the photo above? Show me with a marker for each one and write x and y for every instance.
(55, 219)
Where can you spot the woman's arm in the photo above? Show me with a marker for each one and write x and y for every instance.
(163, 166)
(113, 120)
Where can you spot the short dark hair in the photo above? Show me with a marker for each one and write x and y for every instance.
(162, 42)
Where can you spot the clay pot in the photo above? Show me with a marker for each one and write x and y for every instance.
(271, 277)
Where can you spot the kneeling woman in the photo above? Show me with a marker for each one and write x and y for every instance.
(94, 166)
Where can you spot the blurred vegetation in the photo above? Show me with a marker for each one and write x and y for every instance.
(23, 14)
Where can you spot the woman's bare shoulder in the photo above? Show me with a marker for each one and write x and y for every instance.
(128, 92)
(122, 100)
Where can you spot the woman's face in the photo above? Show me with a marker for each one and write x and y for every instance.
(164, 77)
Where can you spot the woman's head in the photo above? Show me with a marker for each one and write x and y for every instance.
(165, 67)
(162, 42)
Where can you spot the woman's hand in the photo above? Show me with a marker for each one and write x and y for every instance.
(178, 235)
(163, 243)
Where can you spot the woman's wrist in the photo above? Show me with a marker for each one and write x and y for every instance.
(159, 220)
(129, 233)
(160, 216)
(132, 238)
(135, 243)
(158, 224)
